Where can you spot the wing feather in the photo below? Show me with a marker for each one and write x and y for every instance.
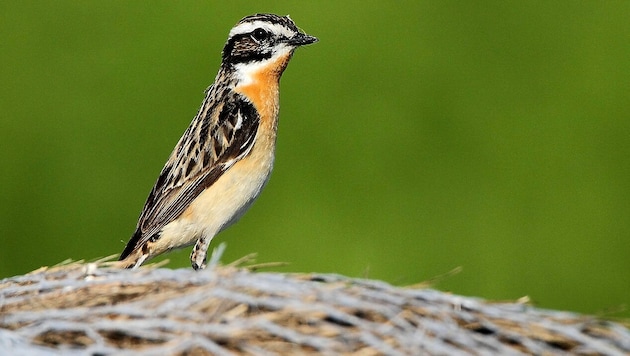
(218, 137)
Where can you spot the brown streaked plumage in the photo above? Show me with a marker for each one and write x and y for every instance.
(225, 157)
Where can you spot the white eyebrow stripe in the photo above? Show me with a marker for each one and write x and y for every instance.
(251, 26)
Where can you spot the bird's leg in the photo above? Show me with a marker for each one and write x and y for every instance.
(199, 253)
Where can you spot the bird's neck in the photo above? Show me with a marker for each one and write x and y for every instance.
(260, 84)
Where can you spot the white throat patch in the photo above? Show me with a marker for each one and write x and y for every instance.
(245, 72)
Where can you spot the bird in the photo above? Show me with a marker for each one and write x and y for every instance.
(225, 157)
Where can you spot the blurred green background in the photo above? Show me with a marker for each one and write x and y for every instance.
(415, 137)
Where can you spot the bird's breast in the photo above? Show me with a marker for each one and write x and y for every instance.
(262, 89)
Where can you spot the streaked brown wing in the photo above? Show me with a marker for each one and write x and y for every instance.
(217, 138)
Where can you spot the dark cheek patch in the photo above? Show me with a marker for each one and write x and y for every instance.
(242, 49)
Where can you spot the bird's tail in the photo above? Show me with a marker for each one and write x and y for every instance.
(132, 255)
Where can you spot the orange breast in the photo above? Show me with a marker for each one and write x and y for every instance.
(263, 90)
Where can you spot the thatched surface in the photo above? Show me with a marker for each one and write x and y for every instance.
(95, 309)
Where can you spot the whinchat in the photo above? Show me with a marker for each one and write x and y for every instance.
(225, 157)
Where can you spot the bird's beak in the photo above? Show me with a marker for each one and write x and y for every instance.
(302, 39)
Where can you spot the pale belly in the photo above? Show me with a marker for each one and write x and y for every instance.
(220, 205)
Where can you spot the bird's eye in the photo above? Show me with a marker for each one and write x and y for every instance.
(260, 35)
